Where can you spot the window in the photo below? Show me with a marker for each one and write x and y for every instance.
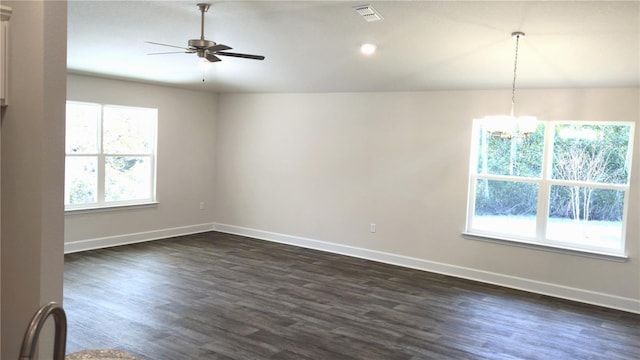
(566, 185)
(110, 155)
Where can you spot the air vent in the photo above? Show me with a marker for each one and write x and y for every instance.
(368, 12)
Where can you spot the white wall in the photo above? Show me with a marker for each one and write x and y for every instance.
(317, 169)
(32, 168)
(186, 133)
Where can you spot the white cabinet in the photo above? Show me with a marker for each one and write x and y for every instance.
(5, 14)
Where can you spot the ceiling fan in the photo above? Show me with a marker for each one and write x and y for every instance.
(204, 48)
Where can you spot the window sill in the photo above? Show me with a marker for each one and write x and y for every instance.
(601, 255)
(119, 207)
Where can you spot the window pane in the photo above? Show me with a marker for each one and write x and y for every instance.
(505, 207)
(591, 153)
(514, 157)
(81, 180)
(586, 216)
(82, 128)
(128, 130)
(127, 178)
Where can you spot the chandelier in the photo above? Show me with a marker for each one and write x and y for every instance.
(511, 126)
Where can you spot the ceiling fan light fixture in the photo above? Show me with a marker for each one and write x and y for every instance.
(511, 126)
(204, 64)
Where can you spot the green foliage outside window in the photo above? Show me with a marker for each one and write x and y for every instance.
(516, 158)
(588, 154)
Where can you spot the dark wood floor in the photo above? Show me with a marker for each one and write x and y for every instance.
(219, 296)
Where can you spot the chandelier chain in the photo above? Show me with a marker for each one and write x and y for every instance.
(511, 127)
(515, 68)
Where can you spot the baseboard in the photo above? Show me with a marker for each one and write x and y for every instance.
(559, 291)
(109, 241)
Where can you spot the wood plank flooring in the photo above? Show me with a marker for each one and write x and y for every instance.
(220, 296)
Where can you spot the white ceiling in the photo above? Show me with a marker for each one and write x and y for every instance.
(313, 46)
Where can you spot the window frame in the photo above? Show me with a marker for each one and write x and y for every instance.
(544, 183)
(101, 156)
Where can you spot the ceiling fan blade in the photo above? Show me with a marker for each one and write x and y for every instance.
(244, 56)
(172, 52)
(173, 46)
(211, 57)
(218, 47)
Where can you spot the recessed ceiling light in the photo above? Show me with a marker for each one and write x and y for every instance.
(368, 49)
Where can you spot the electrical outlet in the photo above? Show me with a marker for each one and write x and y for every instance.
(372, 228)
(202, 205)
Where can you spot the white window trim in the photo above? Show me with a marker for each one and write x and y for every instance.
(505, 240)
(544, 185)
(100, 204)
(107, 208)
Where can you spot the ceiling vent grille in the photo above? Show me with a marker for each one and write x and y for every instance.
(368, 12)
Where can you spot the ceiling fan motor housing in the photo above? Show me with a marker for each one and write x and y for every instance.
(201, 43)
